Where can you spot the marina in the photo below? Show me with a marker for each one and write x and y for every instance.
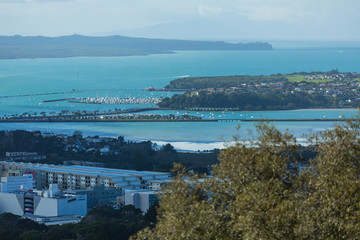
(108, 100)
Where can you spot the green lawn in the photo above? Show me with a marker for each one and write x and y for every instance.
(299, 78)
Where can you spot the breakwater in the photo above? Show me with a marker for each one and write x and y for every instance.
(58, 100)
(128, 115)
(38, 94)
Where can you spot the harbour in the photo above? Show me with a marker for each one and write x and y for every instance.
(127, 77)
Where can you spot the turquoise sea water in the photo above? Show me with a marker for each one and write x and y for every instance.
(127, 76)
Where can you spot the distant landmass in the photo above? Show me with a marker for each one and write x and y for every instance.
(77, 46)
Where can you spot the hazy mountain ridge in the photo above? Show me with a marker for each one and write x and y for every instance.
(77, 45)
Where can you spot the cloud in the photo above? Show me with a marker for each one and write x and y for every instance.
(232, 17)
(275, 10)
(267, 13)
(205, 10)
(33, 1)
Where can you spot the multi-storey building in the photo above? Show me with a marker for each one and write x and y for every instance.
(22, 156)
(17, 196)
(80, 177)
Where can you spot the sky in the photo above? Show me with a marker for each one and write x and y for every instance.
(185, 19)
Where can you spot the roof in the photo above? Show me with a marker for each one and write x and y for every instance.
(92, 171)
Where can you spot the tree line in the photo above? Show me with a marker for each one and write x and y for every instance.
(269, 100)
(124, 154)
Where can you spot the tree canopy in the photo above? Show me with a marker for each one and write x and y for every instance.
(260, 190)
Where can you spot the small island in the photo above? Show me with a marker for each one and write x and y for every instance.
(332, 89)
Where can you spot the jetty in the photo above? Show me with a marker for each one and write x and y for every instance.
(58, 100)
(39, 94)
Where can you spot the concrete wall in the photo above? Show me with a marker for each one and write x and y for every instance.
(51, 207)
(47, 207)
(72, 206)
(140, 199)
(11, 203)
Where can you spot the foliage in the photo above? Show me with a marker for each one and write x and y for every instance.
(109, 223)
(129, 155)
(258, 191)
(330, 189)
(100, 223)
(32, 235)
(15, 227)
(269, 100)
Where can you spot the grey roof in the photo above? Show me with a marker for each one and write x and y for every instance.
(117, 174)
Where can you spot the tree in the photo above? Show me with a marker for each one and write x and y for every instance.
(168, 148)
(258, 192)
(331, 186)
(32, 235)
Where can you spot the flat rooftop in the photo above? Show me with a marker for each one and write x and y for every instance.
(86, 170)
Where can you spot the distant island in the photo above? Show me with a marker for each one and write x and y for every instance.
(12, 47)
(331, 89)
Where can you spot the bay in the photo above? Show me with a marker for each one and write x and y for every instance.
(129, 76)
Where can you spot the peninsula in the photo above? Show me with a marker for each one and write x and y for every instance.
(331, 89)
(12, 47)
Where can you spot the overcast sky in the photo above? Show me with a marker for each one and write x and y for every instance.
(186, 19)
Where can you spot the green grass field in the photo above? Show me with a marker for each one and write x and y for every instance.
(300, 78)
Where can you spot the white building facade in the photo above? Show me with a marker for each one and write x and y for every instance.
(49, 203)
